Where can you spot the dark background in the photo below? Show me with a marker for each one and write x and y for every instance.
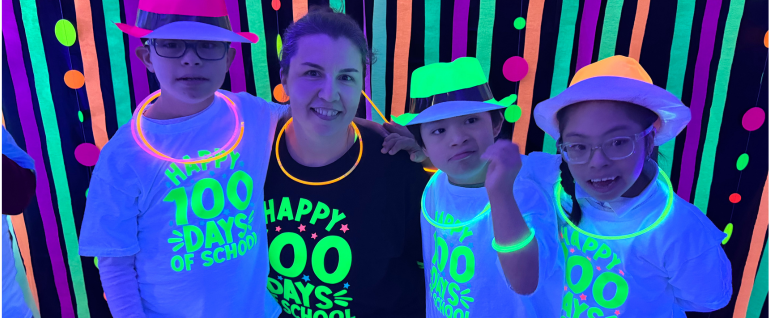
(747, 89)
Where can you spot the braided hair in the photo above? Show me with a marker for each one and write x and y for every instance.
(641, 115)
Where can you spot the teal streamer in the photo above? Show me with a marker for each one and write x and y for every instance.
(432, 30)
(56, 158)
(610, 28)
(721, 84)
(21, 277)
(561, 69)
(259, 50)
(338, 5)
(484, 37)
(680, 47)
(117, 61)
(380, 46)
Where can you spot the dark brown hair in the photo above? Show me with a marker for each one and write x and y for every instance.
(496, 115)
(324, 20)
(641, 115)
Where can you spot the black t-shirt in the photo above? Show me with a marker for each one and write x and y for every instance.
(350, 248)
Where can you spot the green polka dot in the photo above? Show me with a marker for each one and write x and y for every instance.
(743, 161)
(512, 113)
(65, 32)
(86, 193)
(519, 23)
(96, 262)
(80, 116)
(279, 46)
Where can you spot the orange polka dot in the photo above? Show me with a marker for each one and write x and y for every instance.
(735, 198)
(279, 94)
(74, 79)
(766, 38)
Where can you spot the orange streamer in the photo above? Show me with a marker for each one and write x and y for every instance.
(91, 71)
(640, 24)
(299, 8)
(527, 86)
(20, 229)
(752, 262)
(401, 57)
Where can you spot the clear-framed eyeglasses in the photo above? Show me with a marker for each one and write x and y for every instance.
(206, 50)
(615, 148)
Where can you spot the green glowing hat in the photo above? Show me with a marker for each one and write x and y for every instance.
(445, 90)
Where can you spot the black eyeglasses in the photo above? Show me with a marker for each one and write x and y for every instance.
(206, 50)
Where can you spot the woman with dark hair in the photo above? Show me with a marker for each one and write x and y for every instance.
(343, 218)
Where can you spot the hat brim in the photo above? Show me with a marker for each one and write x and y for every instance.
(673, 115)
(189, 30)
(448, 110)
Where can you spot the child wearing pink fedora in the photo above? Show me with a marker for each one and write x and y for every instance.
(175, 213)
(631, 246)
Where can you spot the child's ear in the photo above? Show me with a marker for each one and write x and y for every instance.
(498, 127)
(143, 53)
(230, 57)
(283, 81)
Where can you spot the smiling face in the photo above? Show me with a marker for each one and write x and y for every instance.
(592, 123)
(189, 78)
(455, 145)
(324, 84)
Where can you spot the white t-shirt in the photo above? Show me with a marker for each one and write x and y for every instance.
(463, 275)
(675, 267)
(13, 298)
(198, 231)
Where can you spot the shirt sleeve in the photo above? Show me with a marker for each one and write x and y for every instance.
(110, 220)
(416, 180)
(121, 287)
(13, 152)
(533, 195)
(703, 283)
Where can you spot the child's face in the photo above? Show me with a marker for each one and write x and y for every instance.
(593, 123)
(324, 83)
(188, 78)
(455, 145)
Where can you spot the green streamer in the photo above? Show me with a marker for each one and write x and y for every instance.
(561, 64)
(338, 5)
(117, 61)
(760, 290)
(259, 50)
(53, 146)
(680, 47)
(610, 28)
(21, 277)
(380, 46)
(432, 30)
(484, 38)
(706, 174)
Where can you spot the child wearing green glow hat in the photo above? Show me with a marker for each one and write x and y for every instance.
(632, 247)
(481, 254)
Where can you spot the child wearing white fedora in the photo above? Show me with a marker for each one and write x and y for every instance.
(480, 252)
(632, 247)
(170, 214)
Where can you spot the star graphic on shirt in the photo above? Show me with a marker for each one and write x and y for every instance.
(313, 236)
(622, 273)
(344, 228)
(598, 268)
(565, 288)
(280, 277)
(588, 257)
(617, 312)
(306, 278)
(346, 285)
(301, 228)
(583, 297)
(277, 228)
(561, 235)
(572, 250)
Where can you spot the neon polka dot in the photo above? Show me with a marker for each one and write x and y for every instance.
(735, 198)
(74, 79)
(753, 119)
(515, 68)
(519, 23)
(276, 4)
(279, 94)
(87, 154)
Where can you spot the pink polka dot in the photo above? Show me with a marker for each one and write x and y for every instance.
(515, 68)
(753, 119)
(87, 154)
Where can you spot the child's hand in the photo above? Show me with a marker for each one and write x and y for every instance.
(394, 143)
(504, 165)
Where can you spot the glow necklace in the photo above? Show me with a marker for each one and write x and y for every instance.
(447, 226)
(557, 192)
(278, 157)
(136, 131)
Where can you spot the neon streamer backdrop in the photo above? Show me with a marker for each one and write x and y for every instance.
(708, 53)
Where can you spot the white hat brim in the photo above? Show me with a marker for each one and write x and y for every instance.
(672, 113)
(195, 31)
(453, 109)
